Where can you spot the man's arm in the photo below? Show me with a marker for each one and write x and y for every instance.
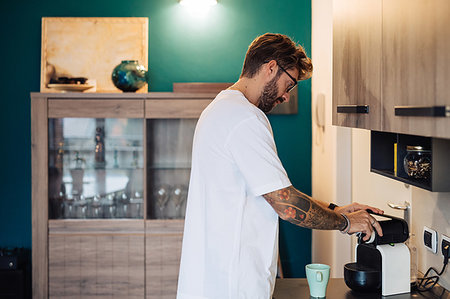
(300, 209)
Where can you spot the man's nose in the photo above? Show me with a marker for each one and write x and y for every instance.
(286, 97)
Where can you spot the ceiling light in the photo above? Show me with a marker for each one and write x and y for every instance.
(198, 3)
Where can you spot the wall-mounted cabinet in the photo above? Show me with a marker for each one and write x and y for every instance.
(110, 174)
(391, 66)
(357, 64)
(416, 160)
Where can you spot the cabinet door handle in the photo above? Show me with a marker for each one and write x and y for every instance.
(434, 111)
(353, 109)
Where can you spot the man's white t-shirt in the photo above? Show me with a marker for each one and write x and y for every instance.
(230, 243)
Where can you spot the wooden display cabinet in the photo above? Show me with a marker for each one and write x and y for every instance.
(82, 245)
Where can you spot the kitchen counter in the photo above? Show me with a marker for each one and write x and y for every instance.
(297, 288)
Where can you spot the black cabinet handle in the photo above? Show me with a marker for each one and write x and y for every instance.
(434, 111)
(353, 109)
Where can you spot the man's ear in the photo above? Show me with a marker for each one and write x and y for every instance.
(271, 68)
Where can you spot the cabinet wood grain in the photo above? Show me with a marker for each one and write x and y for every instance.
(94, 259)
(388, 57)
(416, 69)
(58, 108)
(163, 252)
(357, 62)
(39, 202)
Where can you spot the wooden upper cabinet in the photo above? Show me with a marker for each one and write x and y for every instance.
(392, 56)
(416, 66)
(357, 63)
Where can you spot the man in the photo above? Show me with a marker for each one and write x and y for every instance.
(239, 188)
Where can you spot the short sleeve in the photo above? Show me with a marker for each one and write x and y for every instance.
(253, 149)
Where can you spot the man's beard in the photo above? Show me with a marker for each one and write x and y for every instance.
(268, 97)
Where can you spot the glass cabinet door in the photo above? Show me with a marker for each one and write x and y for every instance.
(169, 149)
(96, 168)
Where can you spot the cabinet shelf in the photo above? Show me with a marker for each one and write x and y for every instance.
(167, 166)
(424, 184)
(90, 148)
(110, 169)
(385, 160)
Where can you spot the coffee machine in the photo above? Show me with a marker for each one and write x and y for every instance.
(382, 263)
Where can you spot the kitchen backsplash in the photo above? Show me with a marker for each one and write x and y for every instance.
(431, 209)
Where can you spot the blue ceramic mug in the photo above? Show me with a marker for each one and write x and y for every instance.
(317, 275)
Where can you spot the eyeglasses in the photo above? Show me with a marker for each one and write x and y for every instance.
(292, 78)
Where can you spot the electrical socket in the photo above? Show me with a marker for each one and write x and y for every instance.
(430, 239)
(445, 241)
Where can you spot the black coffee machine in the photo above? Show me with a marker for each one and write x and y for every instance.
(382, 263)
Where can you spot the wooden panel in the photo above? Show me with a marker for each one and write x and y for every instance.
(39, 202)
(56, 251)
(91, 47)
(105, 255)
(97, 227)
(88, 266)
(101, 259)
(145, 192)
(442, 20)
(357, 61)
(164, 226)
(95, 108)
(136, 268)
(71, 269)
(120, 260)
(179, 108)
(416, 71)
(163, 253)
(200, 87)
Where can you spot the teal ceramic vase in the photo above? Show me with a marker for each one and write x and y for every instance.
(129, 76)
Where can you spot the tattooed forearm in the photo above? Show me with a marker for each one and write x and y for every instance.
(300, 209)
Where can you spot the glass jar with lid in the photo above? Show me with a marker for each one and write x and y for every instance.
(417, 162)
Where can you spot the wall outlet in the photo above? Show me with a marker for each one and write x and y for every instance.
(430, 239)
(445, 241)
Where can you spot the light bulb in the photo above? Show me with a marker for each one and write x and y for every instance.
(198, 3)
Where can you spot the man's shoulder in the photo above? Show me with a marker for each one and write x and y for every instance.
(231, 98)
(232, 106)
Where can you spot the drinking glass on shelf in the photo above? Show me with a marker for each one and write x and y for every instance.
(96, 208)
(80, 207)
(109, 208)
(68, 207)
(136, 202)
(178, 196)
(162, 197)
(56, 207)
(123, 210)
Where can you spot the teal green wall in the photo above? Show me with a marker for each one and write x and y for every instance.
(182, 48)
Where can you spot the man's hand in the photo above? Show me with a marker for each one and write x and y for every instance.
(362, 221)
(353, 207)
